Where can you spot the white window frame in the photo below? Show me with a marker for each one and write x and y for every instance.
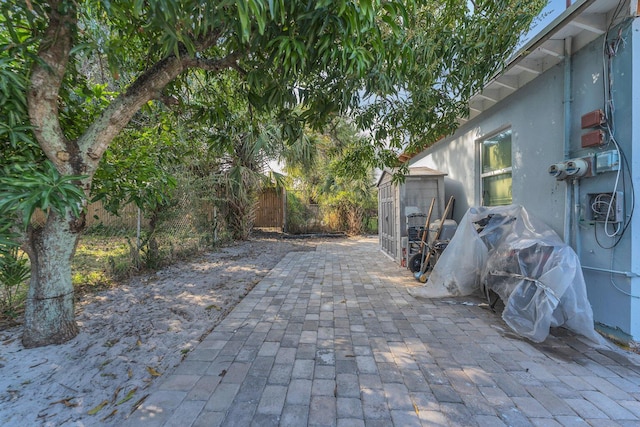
(482, 175)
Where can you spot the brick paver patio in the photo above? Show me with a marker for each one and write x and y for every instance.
(332, 338)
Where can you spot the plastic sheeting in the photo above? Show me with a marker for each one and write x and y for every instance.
(539, 278)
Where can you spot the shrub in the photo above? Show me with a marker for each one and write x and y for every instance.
(14, 274)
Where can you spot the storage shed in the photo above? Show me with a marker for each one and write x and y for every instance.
(397, 202)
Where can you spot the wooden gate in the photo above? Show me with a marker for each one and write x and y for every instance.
(270, 209)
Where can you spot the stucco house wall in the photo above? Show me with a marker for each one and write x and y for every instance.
(537, 116)
(534, 114)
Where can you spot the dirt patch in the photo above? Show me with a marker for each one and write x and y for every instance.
(130, 335)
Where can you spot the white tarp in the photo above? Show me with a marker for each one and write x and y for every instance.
(525, 262)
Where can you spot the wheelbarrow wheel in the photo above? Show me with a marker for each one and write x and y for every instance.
(415, 262)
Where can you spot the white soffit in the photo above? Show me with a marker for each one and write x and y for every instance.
(582, 22)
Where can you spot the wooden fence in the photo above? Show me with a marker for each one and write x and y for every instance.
(97, 215)
(270, 209)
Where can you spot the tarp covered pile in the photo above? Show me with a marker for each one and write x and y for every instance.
(504, 250)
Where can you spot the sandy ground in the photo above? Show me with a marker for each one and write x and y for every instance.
(130, 335)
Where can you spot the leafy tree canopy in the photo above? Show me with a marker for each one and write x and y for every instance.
(403, 69)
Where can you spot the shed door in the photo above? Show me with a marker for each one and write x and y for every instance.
(387, 219)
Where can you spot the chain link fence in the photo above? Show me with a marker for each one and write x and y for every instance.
(116, 246)
(304, 217)
(113, 247)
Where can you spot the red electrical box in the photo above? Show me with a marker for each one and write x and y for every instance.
(592, 119)
(594, 138)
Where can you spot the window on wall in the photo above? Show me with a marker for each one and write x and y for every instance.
(495, 158)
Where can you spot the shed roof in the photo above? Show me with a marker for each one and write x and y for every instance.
(413, 171)
(582, 22)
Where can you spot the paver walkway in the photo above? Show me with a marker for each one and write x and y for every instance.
(332, 338)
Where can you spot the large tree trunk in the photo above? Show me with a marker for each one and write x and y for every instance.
(49, 314)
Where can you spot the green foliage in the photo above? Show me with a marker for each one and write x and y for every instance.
(25, 189)
(139, 166)
(91, 280)
(247, 75)
(13, 127)
(343, 188)
(27, 180)
(450, 52)
(298, 214)
(349, 207)
(414, 64)
(14, 274)
(239, 142)
(14, 67)
(147, 255)
(99, 259)
(8, 238)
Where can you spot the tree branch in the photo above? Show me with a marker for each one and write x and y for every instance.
(46, 79)
(148, 86)
(229, 61)
(115, 117)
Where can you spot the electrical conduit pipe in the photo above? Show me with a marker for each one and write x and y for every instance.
(567, 136)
